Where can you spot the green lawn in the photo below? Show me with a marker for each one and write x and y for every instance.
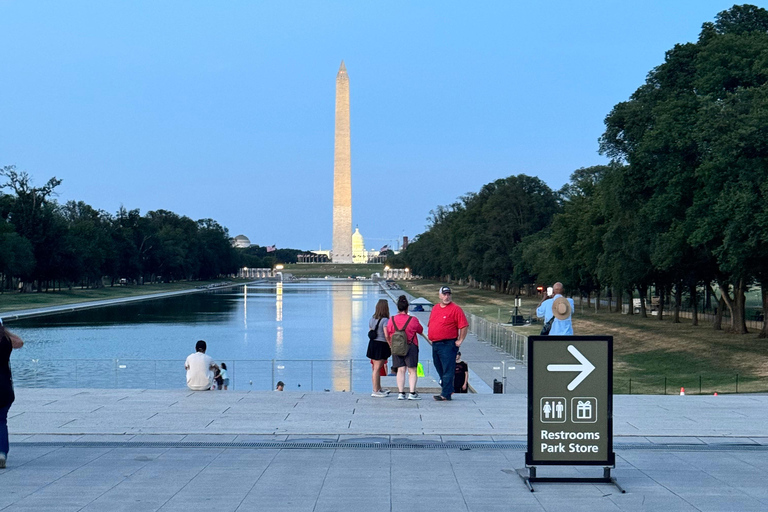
(19, 301)
(332, 269)
(646, 350)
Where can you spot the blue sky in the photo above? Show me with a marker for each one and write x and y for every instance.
(225, 110)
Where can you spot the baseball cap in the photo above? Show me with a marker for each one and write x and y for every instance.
(445, 289)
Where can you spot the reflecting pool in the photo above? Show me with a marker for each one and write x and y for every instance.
(312, 335)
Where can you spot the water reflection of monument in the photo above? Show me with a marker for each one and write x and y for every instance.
(341, 300)
(279, 319)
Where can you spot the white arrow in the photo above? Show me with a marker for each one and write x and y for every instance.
(585, 367)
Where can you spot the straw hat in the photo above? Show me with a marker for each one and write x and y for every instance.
(561, 308)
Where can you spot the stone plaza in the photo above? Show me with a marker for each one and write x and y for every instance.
(90, 449)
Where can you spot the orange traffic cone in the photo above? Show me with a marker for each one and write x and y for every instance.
(682, 391)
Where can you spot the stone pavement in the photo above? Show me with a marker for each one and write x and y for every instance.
(132, 450)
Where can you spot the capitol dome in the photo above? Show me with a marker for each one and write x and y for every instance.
(359, 255)
(241, 242)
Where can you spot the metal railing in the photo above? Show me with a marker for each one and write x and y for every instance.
(501, 336)
(692, 384)
(244, 374)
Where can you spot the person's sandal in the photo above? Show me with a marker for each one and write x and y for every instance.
(440, 398)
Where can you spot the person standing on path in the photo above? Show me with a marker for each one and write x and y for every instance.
(447, 329)
(560, 308)
(402, 321)
(8, 342)
(461, 376)
(378, 348)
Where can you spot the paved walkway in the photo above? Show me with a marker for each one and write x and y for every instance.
(141, 450)
(8, 316)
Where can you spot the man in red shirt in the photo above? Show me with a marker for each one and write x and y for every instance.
(447, 329)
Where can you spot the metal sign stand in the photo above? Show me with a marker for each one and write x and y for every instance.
(570, 407)
(531, 477)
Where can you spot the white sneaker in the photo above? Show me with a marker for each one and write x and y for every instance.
(378, 394)
(414, 396)
(385, 391)
(401, 396)
(2, 460)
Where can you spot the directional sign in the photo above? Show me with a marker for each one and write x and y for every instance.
(584, 368)
(570, 400)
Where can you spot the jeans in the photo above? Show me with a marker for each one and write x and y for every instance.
(4, 429)
(444, 357)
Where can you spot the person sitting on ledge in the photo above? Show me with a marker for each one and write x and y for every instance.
(200, 368)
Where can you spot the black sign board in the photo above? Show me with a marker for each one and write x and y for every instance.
(570, 401)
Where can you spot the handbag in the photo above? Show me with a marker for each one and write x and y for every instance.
(547, 326)
(372, 333)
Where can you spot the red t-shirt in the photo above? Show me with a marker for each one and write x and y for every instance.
(414, 327)
(445, 322)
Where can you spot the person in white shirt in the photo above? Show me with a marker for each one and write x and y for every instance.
(200, 368)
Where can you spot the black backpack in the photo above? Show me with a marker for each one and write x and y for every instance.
(372, 333)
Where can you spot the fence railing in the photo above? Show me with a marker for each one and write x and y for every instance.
(691, 384)
(500, 336)
(329, 375)
(253, 374)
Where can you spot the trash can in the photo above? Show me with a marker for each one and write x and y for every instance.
(498, 386)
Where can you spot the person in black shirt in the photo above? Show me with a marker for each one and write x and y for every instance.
(461, 377)
(8, 342)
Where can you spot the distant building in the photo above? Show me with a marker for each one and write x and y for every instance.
(359, 254)
(240, 242)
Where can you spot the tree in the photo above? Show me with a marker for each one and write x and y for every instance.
(693, 138)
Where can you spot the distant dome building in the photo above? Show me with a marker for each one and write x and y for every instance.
(359, 254)
(241, 242)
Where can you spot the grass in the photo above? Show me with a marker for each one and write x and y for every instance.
(332, 269)
(646, 350)
(18, 301)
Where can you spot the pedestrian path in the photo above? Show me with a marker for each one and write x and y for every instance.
(80, 306)
(175, 412)
(137, 450)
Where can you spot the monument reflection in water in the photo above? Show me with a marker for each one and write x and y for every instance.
(301, 326)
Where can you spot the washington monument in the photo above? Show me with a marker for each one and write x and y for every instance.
(342, 174)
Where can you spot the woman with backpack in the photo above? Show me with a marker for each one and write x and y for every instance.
(402, 334)
(378, 348)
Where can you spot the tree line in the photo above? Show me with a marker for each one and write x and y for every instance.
(44, 244)
(682, 207)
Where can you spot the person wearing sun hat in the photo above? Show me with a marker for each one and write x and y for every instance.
(8, 342)
(560, 308)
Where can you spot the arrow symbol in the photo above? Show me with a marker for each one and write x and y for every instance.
(585, 367)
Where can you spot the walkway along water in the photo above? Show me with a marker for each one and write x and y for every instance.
(22, 314)
(484, 350)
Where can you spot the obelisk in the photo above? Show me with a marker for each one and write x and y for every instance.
(342, 174)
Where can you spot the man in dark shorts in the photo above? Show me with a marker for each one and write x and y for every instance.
(447, 329)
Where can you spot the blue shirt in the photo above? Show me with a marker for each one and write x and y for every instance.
(559, 327)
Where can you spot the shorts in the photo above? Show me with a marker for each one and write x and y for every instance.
(226, 382)
(409, 360)
(378, 350)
